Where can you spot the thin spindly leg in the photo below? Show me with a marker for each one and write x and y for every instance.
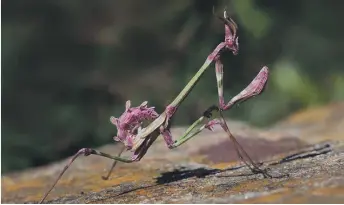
(192, 131)
(195, 129)
(189, 133)
(240, 151)
(85, 152)
(114, 164)
(256, 87)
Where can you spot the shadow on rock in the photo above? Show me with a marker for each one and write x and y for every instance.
(184, 173)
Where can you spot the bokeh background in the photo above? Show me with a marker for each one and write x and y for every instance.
(68, 65)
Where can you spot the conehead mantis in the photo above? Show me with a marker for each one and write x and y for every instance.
(138, 139)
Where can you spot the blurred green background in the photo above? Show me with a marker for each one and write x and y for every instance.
(68, 65)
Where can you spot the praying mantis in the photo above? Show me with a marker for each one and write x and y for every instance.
(138, 140)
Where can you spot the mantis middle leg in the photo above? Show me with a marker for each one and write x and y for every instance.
(114, 164)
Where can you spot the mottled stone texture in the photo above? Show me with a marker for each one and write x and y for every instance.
(308, 145)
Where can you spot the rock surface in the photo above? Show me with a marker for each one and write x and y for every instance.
(309, 146)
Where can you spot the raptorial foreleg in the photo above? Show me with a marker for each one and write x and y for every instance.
(255, 88)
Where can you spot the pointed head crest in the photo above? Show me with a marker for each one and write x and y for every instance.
(231, 28)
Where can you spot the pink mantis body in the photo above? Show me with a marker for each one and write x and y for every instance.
(138, 140)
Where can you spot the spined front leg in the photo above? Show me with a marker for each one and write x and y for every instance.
(255, 88)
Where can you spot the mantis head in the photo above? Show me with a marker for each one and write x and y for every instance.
(231, 37)
(231, 28)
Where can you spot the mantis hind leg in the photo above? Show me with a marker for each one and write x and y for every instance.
(85, 152)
